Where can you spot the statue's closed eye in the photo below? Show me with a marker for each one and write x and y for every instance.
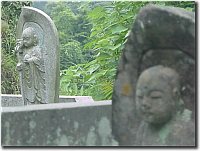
(156, 95)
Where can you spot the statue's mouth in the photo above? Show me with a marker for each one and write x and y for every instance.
(147, 113)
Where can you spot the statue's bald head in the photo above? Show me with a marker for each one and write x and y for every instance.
(166, 74)
(29, 37)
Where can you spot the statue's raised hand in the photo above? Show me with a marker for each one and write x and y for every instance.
(19, 45)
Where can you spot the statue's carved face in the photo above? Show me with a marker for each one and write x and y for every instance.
(155, 98)
(28, 38)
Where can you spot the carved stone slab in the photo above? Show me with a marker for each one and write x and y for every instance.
(39, 78)
(160, 36)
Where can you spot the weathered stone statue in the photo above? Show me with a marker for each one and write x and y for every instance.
(38, 57)
(160, 36)
(32, 66)
(159, 103)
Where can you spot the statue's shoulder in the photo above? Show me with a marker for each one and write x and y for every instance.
(184, 121)
(183, 130)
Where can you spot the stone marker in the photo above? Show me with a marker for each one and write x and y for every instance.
(38, 57)
(160, 36)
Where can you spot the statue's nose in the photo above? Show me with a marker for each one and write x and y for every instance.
(145, 103)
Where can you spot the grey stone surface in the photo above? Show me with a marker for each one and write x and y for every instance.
(78, 99)
(58, 124)
(9, 100)
(160, 36)
(38, 57)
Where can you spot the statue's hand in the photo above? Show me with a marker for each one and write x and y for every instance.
(26, 61)
(19, 66)
(27, 58)
(19, 45)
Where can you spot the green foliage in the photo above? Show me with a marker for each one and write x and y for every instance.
(71, 23)
(81, 80)
(9, 76)
(110, 22)
(71, 54)
(188, 5)
(9, 17)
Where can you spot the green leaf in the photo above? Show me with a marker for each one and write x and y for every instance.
(93, 68)
(103, 41)
(96, 13)
(119, 29)
(75, 89)
(90, 63)
(81, 91)
(96, 76)
(104, 55)
(115, 47)
(66, 86)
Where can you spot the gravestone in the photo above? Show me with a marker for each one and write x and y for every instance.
(160, 36)
(38, 57)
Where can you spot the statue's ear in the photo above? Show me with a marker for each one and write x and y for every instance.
(178, 101)
(176, 93)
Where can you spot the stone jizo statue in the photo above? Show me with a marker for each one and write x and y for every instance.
(37, 50)
(32, 67)
(159, 104)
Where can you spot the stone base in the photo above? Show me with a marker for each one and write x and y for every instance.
(16, 100)
(58, 124)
